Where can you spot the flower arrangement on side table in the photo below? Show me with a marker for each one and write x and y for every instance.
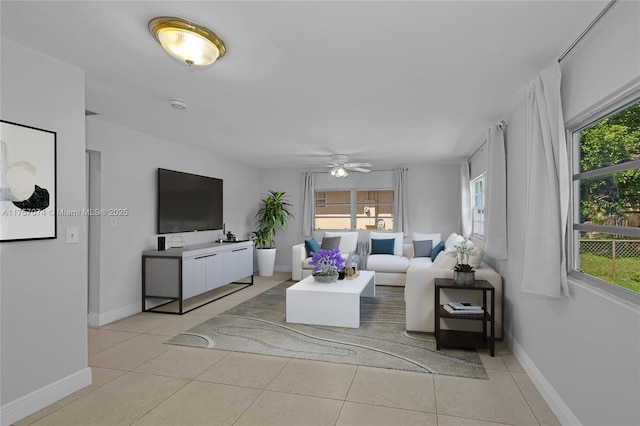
(326, 265)
(463, 272)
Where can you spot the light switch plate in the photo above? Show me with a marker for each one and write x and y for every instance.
(72, 235)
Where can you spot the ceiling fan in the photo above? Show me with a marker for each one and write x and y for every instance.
(340, 167)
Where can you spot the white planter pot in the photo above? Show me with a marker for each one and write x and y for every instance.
(266, 261)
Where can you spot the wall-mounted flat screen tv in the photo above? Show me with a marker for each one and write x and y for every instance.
(188, 202)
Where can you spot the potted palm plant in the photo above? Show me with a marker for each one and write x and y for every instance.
(272, 215)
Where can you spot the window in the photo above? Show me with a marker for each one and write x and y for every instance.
(478, 189)
(333, 210)
(354, 209)
(606, 202)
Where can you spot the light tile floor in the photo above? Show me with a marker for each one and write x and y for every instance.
(138, 380)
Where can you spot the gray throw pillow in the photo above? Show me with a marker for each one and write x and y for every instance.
(422, 248)
(330, 243)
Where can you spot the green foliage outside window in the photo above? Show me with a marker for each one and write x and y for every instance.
(611, 141)
(611, 199)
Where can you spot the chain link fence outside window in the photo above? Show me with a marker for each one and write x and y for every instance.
(611, 248)
(616, 261)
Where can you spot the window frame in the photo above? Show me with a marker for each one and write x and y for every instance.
(617, 102)
(353, 206)
(481, 177)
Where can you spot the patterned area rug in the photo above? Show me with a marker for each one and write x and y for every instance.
(259, 326)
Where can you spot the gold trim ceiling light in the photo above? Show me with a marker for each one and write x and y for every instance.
(186, 41)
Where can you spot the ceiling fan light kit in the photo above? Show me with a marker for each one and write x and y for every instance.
(339, 172)
(187, 41)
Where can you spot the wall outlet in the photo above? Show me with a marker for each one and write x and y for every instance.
(72, 235)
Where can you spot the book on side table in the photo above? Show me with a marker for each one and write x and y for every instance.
(463, 308)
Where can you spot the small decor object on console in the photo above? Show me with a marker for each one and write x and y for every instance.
(327, 264)
(350, 267)
(463, 273)
(177, 242)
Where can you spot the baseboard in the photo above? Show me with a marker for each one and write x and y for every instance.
(97, 320)
(26, 405)
(556, 403)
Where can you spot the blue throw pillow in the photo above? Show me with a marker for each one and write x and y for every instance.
(312, 246)
(437, 249)
(382, 246)
(422, 248)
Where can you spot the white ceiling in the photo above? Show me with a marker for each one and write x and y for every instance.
(391, 83)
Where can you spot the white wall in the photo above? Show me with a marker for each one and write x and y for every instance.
(604, 61)
(44, 295)
(433, 200)
(129, 163)
(583, 351)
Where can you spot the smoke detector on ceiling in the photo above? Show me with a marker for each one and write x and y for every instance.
(178, 104)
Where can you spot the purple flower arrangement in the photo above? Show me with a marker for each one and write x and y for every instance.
(327, 262)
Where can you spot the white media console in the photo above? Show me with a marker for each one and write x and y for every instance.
(169, 277)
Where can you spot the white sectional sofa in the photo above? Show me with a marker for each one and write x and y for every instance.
(390, 269)
(416, 274)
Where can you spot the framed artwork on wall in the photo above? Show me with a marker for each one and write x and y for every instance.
(27, 183)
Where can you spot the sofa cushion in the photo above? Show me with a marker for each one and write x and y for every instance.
(384, 246)
(476, 259)
(422, 248)
(305, 263)
(312, 246)
(330, 243)
(348, 240)
(397, 236)
(445, 260)
(421, 262)
(452, 240)
(387, 263)
(437, 249)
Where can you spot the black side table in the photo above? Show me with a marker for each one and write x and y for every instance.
(465, 339)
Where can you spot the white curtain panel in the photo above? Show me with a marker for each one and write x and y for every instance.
(465, 201)
(308, 202)
(496, 205)
(548, 181)
(400, 210)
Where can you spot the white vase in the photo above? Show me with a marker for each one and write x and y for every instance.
(266, 261)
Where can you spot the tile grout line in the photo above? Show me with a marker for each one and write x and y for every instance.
(525, 397)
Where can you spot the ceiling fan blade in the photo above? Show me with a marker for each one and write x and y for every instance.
(361, 170)
(357, 165)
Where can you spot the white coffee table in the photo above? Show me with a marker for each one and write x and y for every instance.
(336, 304)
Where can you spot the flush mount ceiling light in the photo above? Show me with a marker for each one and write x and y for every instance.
(187, 41)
